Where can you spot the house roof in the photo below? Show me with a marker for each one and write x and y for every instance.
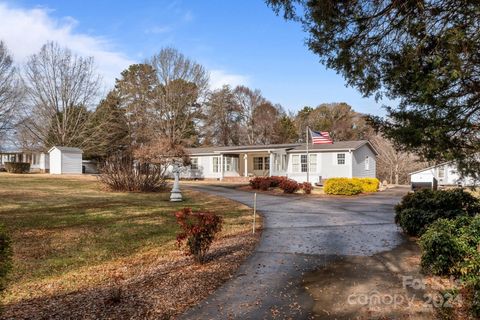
(431, 167)
(291, 147)
(338, 145)
(66, 149)
(210, 150)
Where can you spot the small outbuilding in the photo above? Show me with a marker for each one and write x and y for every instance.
(442, 175)
(65, 160)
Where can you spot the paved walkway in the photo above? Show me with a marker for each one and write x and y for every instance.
(299, 235)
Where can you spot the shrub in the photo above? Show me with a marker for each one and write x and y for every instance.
(255, 182)
(123, 173)
(342, 186)
(441, 247)
(369, 184)
(265, 184)
(5, 257)
(414, 221)
(17, 167)
(306, 187)
(452, 247)
(289, 186)
(198, 230)
(275, 181)
(431, 206)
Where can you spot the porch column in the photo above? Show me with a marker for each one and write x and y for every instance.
(245, 163)
(221, 166)
(270, 167)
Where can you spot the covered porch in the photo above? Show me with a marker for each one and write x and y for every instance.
(248, 163)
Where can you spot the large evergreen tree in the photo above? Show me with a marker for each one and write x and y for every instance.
(425, 55)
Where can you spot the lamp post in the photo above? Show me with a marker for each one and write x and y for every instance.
(176, 194)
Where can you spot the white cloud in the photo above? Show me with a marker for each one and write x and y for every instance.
(26, 30)
(218, 78)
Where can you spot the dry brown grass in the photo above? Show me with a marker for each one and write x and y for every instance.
(75, 245)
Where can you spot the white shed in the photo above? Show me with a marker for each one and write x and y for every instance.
(65, 160)
(446, 174)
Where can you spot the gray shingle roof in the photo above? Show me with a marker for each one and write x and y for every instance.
(339, 145)
(67, 149)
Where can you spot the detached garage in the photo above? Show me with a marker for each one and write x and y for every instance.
(65, 160)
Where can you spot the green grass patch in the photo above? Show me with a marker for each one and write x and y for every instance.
(60, 225)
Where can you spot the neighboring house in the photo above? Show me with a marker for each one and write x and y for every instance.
(446, 174)
(340, 159)
(39, 161)
(65, 160)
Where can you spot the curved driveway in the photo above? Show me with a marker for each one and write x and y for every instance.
(300, 234)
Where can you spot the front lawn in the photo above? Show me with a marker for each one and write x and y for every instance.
(72, 237)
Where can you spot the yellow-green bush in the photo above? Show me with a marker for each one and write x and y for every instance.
(342, 186)
(350, 186)
(369, 184)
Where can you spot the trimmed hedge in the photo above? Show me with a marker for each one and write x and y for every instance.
(17, 167)
(369, 184)
(342, 186)
(418, 210)
(350, 186)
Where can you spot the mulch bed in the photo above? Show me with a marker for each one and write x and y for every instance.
(161, 288)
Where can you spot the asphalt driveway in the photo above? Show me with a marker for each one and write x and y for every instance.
(300, 234)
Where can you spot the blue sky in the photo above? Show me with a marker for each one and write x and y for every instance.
(240, 42)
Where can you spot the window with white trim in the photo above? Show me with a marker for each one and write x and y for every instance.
(295, 163)
(257, 163)
(303, 160)
(367, 163)
(276, 161)
(441, 172)
(194, 163)
(266, 163)
(340, 158)
(216, 164)
(313, 163)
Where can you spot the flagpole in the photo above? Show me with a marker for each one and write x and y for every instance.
(308, 159)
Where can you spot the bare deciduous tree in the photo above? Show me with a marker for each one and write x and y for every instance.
(10, 92)
(394, 165)
(248, 100)
(182, 83)
(221, 118)
(61, 88)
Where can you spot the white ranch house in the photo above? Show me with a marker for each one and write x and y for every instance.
(340, 159)
(39, 161)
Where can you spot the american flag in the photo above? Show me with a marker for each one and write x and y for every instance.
(322, 137)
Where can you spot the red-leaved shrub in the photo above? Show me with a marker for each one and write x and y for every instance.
(265, 184)
(255, 182)
(276, 180)
(306, 187)
(289, 186)
(198, 230)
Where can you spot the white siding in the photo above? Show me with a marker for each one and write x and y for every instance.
(451, 176)
(71, 163)
(327, 167)
(62, 162)
(55, 161)
(359, 168)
